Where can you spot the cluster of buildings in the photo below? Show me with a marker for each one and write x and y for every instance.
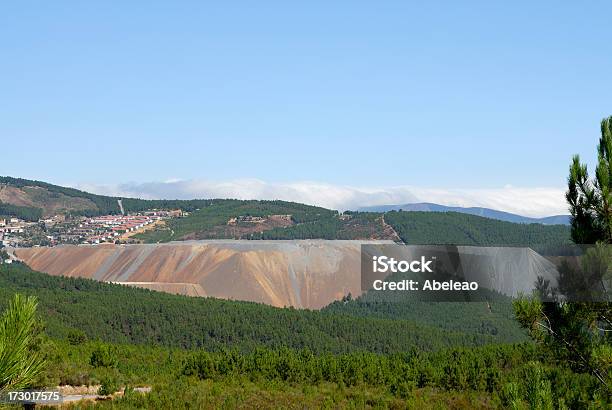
(11, 230)
(248, 219)
(15, 232)
(58, 229)
(108, 228)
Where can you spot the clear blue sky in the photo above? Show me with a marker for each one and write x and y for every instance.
(448, 94)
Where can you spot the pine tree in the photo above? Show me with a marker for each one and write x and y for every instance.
(574, 322)
(20, 363)
(590, 202)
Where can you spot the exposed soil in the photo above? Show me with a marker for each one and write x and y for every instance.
(303, 274)
(51, 203)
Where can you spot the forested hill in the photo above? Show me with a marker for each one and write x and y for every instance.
(425, 228)
(116, 313)
(29, 200)
(478, 211)
(416, 228)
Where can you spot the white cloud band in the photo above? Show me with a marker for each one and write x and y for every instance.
(534, 202)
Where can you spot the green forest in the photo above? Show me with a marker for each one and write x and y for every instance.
(319, 223)
(493, 315)
(27, 213)
(124, 314)
(201, 352)
(492, 376)
(439, 228)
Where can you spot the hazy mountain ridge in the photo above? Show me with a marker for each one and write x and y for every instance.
(478, 211)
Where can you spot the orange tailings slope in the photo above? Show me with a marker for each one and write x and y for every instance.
(303, 274)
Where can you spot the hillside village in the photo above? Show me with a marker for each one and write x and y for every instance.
(79, 230)
(61, 229)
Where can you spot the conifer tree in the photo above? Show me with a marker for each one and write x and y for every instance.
(20, 362)
(574, 321)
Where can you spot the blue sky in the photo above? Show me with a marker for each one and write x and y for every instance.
(445, 95)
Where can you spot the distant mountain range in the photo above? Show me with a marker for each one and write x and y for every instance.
(484, 212)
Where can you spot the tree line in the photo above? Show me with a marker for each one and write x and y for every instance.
(123, 314)
(441, 228)
(27, 213)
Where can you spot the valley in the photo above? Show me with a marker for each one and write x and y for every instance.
(223, 294)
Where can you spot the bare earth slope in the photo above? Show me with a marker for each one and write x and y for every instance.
(303, 274)
(51, 203)
(299, 273)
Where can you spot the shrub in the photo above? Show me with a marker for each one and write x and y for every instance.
(103, 356)
(108, 386)
(76, 337)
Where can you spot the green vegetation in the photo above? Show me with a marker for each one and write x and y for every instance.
(579, 332)
(210, 222)
(27, 213)
(122, 314)
(104, 204)
(509, 376)
(355, 353)
(494, 317)
(319, 223)
(440, 228)
(187, 205)
(20, 360)
(353, 225)
(589, 200)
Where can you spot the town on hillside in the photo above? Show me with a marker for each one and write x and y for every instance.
(62, 229)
